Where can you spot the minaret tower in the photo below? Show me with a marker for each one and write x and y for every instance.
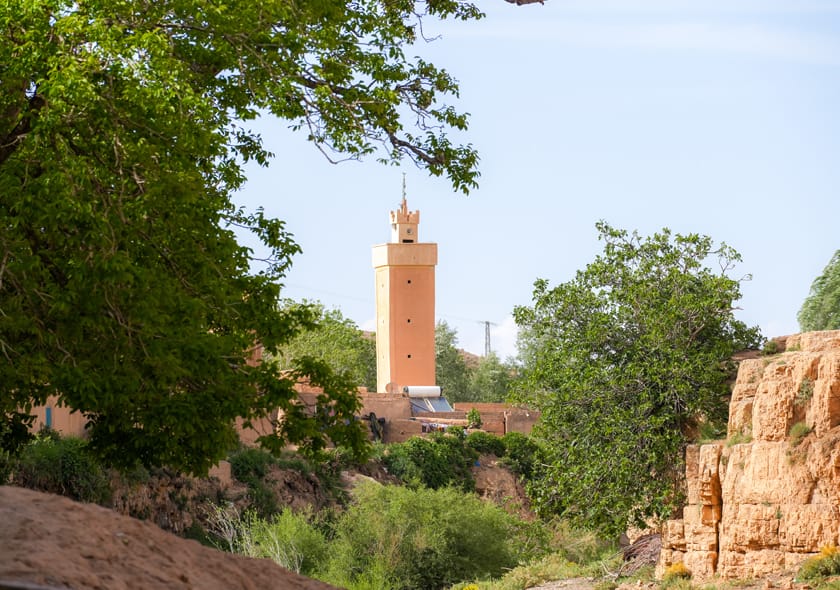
(405, 305)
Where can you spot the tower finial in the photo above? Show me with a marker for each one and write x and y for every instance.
(403, 194)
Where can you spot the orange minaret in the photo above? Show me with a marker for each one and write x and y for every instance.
(405, 306)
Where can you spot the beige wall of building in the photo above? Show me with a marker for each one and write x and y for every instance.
(59, 418)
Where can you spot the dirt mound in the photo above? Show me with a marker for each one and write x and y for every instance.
(498, 484)
(53, 541)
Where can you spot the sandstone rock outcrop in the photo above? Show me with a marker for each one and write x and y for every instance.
(770, 496)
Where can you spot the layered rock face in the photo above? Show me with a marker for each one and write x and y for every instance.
(770, 496)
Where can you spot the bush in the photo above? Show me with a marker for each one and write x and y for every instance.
(676, 571)
(247, 464)
(578, 546)
(473, 418)
(435, 462)
(486, 443)
(251, 466)
(62, 466)
(399, 538)
(770, 347)
(520, 453)
(797, 432)
(288, 539)
(825, 563)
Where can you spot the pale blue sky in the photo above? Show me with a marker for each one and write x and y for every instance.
(719, 117)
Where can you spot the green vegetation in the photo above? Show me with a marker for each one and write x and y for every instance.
(797, 432)
(252, 466)
(521, 454)
(390, 537)
(62, 466)
(336, 340)
(805, 391)
(292, 540)
(451, 370)
(491, 380)
(435, 462)
(488, 381)
(486, 443)
(674, 572)
(826, 563)
(546, 569)
(126, 131)
(821, 309)
(770, 348)
(622, 361)
(738, 438)
(473, 418)
(571, 553)
(442, 460)
(394, 537)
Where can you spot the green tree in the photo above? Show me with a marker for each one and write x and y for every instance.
(336, 340)
(123, 134)
(491, 380)
(629, 354)
(451, 370)
(821, 309)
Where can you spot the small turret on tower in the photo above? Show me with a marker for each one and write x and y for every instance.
(404, 225)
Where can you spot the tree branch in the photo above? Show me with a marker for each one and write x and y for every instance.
(13, 139)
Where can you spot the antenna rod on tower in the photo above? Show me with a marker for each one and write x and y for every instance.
(487, 339)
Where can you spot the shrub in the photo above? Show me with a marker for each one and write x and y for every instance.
(579, 546)
(805, 392)
(422, 538)
(435, 462)
(825, 563)
(486, 443)
(709, 430)
(770, 347)
(251, 466)
(457, 431)
(289, 539)
(248, 463)
(473, 418)
(676, 571)
(739, 438)
(520, 453)
(797, 432)
(62, 466)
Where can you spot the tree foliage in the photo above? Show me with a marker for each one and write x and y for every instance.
(336, 340)
(625, 357)
(451, 370)
(821, 309)
(491, 380)
(487, 381)
(123, 132)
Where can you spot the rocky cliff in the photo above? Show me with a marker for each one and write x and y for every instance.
(769, 496)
